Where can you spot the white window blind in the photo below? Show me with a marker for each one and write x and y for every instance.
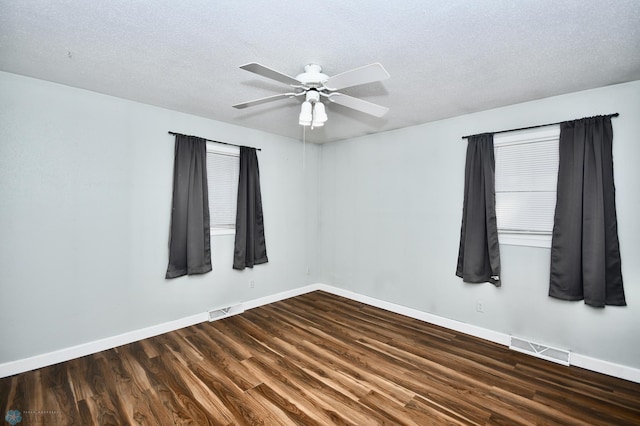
(222, 178)
(526, 177)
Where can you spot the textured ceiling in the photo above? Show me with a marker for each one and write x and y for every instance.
(446, 58)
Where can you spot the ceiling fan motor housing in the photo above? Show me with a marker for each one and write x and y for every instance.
(312, 76)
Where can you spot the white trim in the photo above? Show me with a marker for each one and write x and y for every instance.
(599, 366)
(483, 333)
(222, 231)
(256, 303)
(66, 354)
(606, 367)
(27, 364)
(524, 239)
(39, 361)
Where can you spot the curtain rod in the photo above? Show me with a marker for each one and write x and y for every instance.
(531, 127)
(209, 140)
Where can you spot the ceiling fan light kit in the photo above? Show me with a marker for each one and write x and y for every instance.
(306, 116)
(314, 84)
(319, 115)
(312, 112)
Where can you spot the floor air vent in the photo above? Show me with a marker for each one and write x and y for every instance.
(560, 356)
(219, 313)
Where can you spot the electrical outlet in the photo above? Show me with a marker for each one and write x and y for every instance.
(252, 284)
(480, 306)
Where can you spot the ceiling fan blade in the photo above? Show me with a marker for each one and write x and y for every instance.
(269, 73)
(358, 104)
(355, 77)
(264, 100)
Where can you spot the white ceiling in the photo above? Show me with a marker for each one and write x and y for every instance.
(446, 58)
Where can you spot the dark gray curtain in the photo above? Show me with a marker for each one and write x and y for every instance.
(189, 245)
(250, 247)
(479, 254)
(585, 255)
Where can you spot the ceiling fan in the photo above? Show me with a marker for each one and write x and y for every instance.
(314, 85)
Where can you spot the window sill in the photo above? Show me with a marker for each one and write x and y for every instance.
(526, 240)
(222, 231)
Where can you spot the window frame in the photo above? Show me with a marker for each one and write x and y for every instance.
(526, 238)
(232, 151)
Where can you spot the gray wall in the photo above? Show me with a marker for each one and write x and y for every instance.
(390, 212)
(85, 184)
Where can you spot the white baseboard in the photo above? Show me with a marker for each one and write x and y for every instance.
(578, 360)
(280, 296)
(66, 354)
(606, 367)
(462, 327)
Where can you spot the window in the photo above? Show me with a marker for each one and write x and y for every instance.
(526, 180)
(223, 167)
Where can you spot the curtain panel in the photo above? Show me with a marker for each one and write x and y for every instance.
(250, 245)
(479, 253)
(585, 253)
(189, 237)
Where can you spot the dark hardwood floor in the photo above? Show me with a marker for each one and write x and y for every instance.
(317, 359)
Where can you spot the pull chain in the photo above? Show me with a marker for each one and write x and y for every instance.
(304, 146)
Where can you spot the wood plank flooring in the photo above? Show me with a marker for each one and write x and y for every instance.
(317, 359)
